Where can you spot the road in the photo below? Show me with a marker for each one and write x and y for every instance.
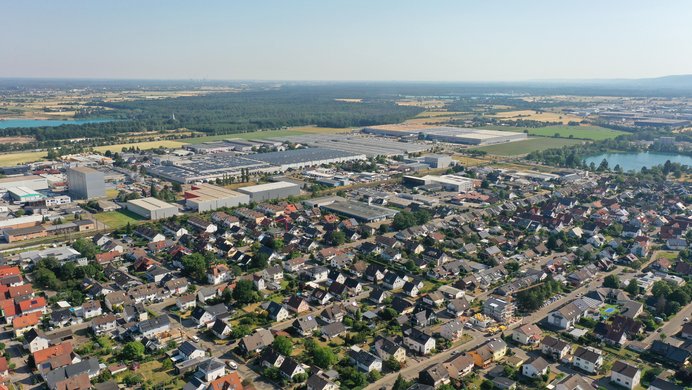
(411, 371)
(672, 326)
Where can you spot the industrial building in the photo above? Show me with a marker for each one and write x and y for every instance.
(24, 194)
(437, 160)
(34, 182)
(218, 165)
(457, 135)
(302, 158)
(356, 143)
(85, 183)
(277, 190)
(152, 208)
(361, 211)
(446, 182)
(206, 197)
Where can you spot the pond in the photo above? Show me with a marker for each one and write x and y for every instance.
(7, 123)
(635, 161)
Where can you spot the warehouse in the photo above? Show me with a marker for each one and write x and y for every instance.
(302, 158)
(359, 144)
(24, 194)
(86, 183)
(457, 135)
(359, 210)
(34, 182)
(277, 190)
(152, 208)
(447, 182)
(206, 197)
(438, 160)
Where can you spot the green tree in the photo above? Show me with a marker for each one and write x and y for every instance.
(195, 266)
(632, 287)
(134, 350)
(401, 383)
(283, 345)
(611, 281)
(338, 238)
(87, 248)
(244, 292)
(240, 331)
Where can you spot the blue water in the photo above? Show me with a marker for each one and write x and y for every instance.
(609, 310)
(635, 161)
(4, 124)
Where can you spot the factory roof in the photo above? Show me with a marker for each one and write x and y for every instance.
(23, 191)
(150, 203)
(20, 178)
(267, 187)
(360, 210)
(205, 191)
(296, 156)
(84, 169)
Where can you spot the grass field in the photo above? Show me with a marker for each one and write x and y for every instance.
(595, 133)
(118, 219)
(544, 116)
(141, 145)
(154, 372)
(302, 130)
(21, 158)
(530, 145)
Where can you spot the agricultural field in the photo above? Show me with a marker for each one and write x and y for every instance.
(118, 219)
(301, 130)
(594, 133)
(530, 145)
(141, 145)
(21, 158)
(541, 116)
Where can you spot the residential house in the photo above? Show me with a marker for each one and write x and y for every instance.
(364, 360)
(535, 368)
(527, 334)
(305, 326)
(434, 376)
(256, 341)
(452, 330)
(555, 348)
(105, 323)
(625, 374)
(277, 312)
(588, 359)
(387, 348)
(419, 341)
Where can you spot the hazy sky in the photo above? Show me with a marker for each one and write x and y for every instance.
(345, 40)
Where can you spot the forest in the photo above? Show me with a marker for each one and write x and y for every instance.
(225, 113)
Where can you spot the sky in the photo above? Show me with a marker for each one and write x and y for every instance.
(345, 40)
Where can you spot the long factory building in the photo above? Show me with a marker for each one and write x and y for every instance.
(456, 135)
(206, 197)
(207, 167)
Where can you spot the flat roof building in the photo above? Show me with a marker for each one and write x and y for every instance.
(152, 208)
(457, 135)
(86, 183)
(206, 197)
(276, 190)
(447, 182)
(359, 210)
(33, 182)
(24, 194)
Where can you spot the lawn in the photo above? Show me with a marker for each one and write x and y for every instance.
(152, 371)
(530, 145)
(544, 116)
(141, 145)
(608, 310)
(262, 134)
(118, 219)
(595, 133)
(21, 158)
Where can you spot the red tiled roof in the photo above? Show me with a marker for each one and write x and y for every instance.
(51, 352)
(32, 304)
(25, 320)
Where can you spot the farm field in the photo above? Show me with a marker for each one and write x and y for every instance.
(594, 133)
(141, 145)
(117, 219)
(302, 130)
(530, 145)
(21, 158)
(544, 116)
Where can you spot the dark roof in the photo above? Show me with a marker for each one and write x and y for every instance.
(625, 369)
(188, 347)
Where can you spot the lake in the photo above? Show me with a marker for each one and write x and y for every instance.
(635, 161)
(7, 123)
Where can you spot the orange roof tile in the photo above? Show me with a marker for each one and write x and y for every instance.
(32, 304)
(228, 382)
(18, 291)
(25, 320)
(56, 350)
